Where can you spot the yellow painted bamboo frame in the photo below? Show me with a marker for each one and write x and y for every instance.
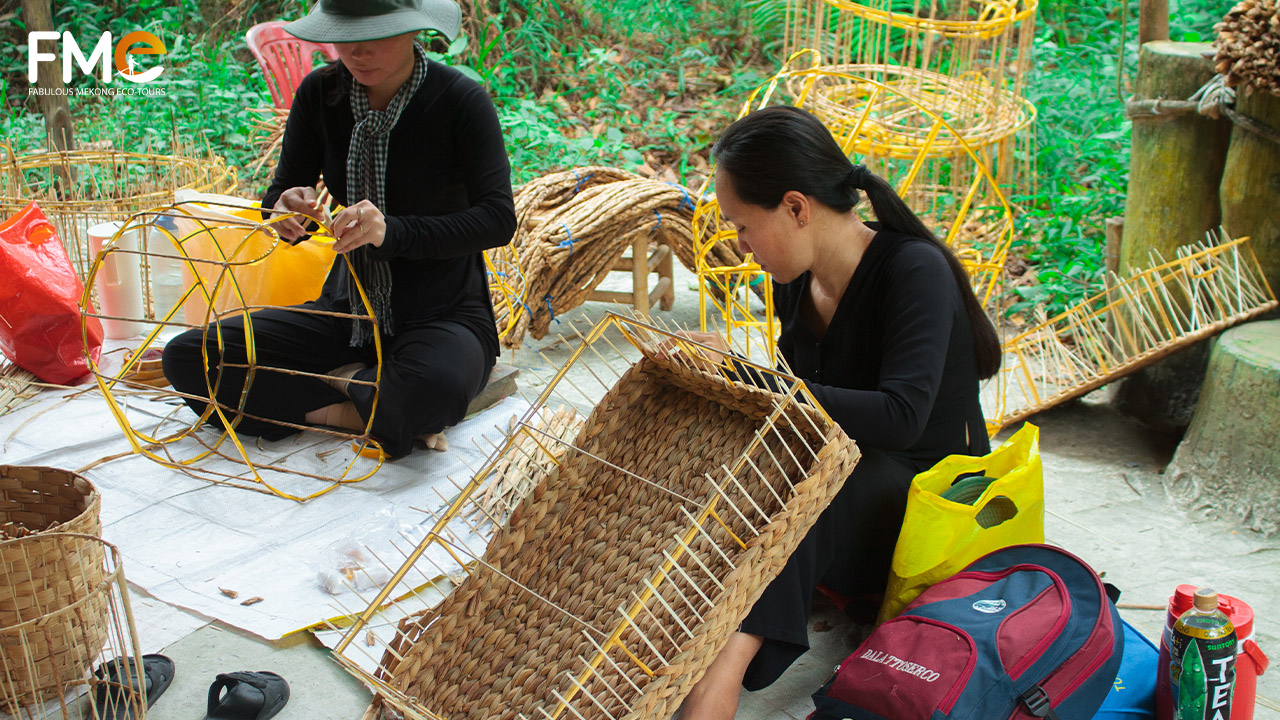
(507, 284)
(800, 75)
(995, 18)
(152, 447)
(1205, 289)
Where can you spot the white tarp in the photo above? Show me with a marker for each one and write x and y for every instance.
(185, 539)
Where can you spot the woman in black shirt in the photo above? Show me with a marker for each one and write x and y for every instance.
(414, 151)
(881, 323)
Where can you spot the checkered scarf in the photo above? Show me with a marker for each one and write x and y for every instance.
(367, 180)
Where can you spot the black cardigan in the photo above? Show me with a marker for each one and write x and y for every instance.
(895, 368)
(448, 192)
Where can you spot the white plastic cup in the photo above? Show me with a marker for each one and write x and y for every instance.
(119, 280)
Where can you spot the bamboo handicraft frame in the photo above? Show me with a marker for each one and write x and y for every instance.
(82, 188)
(966, 61)
(952, 188)
(648, 535)
(1204, 290)
(214, 284)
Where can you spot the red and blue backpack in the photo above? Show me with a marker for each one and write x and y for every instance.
(1024, 632)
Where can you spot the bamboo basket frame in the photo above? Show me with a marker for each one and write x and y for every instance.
(162, 448)
(1204, 290)
(85, 620)
(978, 219)
(680, 583)
(975, 115)
(105, 186)
(989, 39)
(969, 66)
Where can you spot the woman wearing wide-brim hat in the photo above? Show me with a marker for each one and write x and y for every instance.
(413, 150)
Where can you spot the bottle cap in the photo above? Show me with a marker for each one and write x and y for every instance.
(1206, 599)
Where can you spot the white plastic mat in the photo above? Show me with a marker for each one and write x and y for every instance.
(185, 540)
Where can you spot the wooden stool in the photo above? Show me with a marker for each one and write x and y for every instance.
(640, 264)
(502, 383)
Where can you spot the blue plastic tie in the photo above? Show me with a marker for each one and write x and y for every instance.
(655, 212)
(581, 180)
(686, 200)
(547, 299)
(568, 243)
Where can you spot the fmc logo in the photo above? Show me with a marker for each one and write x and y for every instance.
(123, 60)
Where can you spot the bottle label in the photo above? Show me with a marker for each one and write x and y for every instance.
(1202, 671)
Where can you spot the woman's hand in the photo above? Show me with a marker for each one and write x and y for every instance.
(301, 200)
(360, 224)
(710, 356)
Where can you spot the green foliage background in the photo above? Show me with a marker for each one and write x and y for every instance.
(639, 84)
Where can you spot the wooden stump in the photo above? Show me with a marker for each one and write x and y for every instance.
(1163, 395)
(1176, 160)
(1251, 184)
(1228, 464)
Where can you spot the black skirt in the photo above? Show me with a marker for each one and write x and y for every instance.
(849, 549)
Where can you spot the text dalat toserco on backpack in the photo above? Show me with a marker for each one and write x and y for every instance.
(1024, 632)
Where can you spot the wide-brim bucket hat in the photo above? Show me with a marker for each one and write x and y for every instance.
(347, 21)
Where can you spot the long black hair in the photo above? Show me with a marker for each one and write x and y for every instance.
(782, 148)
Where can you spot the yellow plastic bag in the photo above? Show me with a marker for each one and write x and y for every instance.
(940, 537)
(264, 275)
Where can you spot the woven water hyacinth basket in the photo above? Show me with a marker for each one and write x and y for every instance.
(66, 617)
(614, 584)
(36, 578)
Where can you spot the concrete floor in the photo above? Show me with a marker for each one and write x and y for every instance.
(1105, 504)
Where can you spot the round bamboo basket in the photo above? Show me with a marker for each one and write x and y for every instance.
(39, 578)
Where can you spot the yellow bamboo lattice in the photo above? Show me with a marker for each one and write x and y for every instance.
(966, 61)
(1206, 289)
(952, 189)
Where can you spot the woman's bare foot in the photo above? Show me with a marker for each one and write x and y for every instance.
(434, 441)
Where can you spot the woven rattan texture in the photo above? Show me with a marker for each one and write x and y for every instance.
(39, 578)
(584, 543)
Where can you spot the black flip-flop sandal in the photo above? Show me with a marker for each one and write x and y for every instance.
(117, 681)
(247, 696)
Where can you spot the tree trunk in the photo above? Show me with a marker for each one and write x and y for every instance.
(1153, 20)
(1176, 161)
(57, 112)
(1228, 464)
(1251, 184)
(1175, 166)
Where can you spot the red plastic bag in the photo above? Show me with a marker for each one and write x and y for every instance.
(40, 302)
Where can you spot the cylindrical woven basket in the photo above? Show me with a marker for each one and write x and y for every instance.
(41, 578)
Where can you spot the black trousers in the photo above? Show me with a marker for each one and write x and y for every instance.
(430, 373)
(849, 549)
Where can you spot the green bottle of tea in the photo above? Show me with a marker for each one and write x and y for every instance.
(1202, 657)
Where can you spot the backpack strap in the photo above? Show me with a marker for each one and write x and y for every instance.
(1037, 703)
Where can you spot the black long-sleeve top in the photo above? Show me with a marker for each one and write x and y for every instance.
(895, 368)
(448, 192)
